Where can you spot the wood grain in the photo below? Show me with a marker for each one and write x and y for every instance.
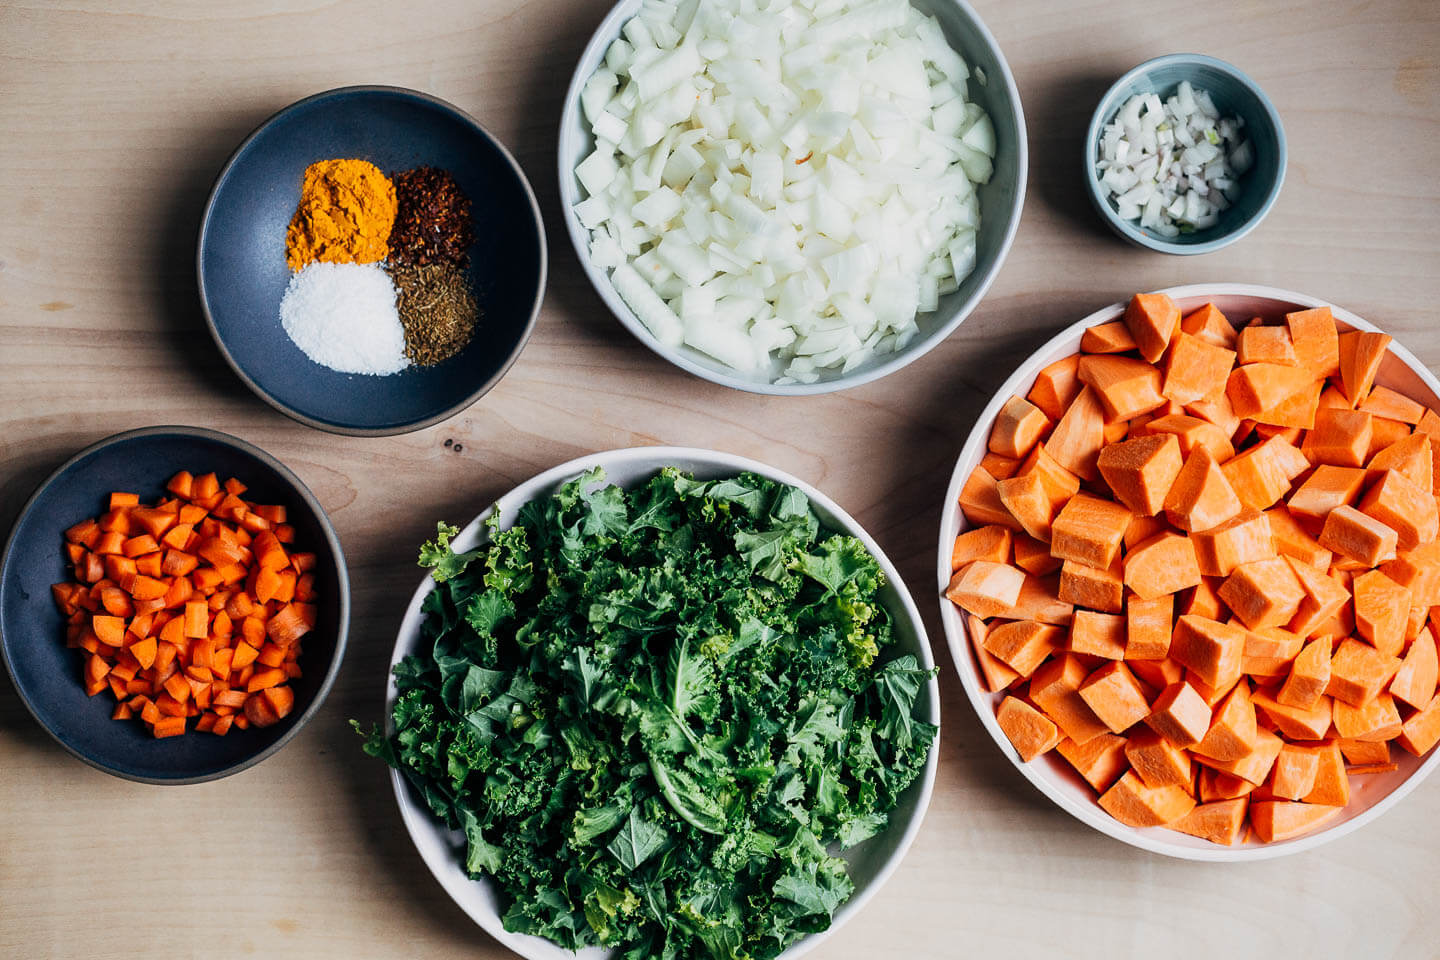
(116, 117)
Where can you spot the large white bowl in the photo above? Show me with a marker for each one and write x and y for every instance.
(1370, 795)
(871, 863)
(1000, 203)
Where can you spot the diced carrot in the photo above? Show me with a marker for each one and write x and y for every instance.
(1360, 354)
(1092, 587)
(985, 589)
(1018, 427)
(267, 677)
(1055, 688)
(1056, 386)
(1133, 803)
(1140, 472)
(1357, 536)
(1127, 387)
(168, 727)
(197, 619)
(110, 630)
(1201, 496)
(1089, 530)
(1100, 761)
(1415, 682)
(1029, 731)
(281, 700)
(1023, 645)
(1153, 319)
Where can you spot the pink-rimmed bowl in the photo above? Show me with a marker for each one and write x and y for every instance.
(1370, 795)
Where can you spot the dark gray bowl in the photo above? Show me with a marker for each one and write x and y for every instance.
(32, 632)
(241, 256)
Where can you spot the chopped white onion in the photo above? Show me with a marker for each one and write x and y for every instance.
(1174, 166)
(784, 186)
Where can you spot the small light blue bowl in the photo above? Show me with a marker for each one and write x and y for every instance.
(1235, 94)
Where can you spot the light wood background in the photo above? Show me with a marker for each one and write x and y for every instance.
(113, 121)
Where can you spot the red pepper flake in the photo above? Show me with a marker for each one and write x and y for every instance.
(805, 158)
(432, 220)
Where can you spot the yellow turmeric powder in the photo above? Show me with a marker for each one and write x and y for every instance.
(346, 210)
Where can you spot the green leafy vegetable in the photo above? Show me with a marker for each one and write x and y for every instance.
(653, 714)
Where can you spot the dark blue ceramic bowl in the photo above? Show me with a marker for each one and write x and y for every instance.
(241, 256)
(32, 631)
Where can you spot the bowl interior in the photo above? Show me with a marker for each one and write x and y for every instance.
(242, 255)
(870, 863)
(32, 631)
(1000, 202)
(1234, 94)
(1369, 795)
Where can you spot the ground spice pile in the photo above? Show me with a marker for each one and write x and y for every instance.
(437, 309)
(346, 212)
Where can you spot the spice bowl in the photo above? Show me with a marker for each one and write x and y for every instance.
(47, 675)
(1234, 94)
(243, 274)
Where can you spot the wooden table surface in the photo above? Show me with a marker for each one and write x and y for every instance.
(115, 118)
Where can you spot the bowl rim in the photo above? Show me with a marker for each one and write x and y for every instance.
(417, 819)
(542, 250)
(957, 636)
(1106, 107)
(331, 538)
(570, 119)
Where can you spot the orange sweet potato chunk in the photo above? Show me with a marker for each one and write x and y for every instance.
(995, 674)
(1087, 586)
(1148, 624)
(1100, 761)
(1201, 497)
(1060, 483)
(1296, 768)
(1030, 732)
(1263, 474)
(1193, 432)
(1078, 436)
(1055, 688)
(1133, 803)
(1340, 437)
(1164, 564)
(986, 589)
(1392, 405)
(1213, 650)
(1244, 538)
(1421, 732)
(1399, 503)
(1089, 530)
(1028, 502)
(1112, 337)
(1358, 536)
(1196, 369)
(980, 501)
(1094, 634)
(1292, 540)
(1264, 593)
(1414, 456)
(1180, 715)
(1056, 386)
(1382, 610)
(1261, 344)
(1358, 672)
(1255, 766)
(1309, 677)
(1325, 489)
(1276, 820)
(1256, 387)
(1022, 645)
(1233, 733)
(1361, 352)
(1415, 682)
(1141, 471)
(1018, 427)
(1219, 822)
(1115, 696)
(992, 542)
(1210, 325)
(1316, 341)
(1158, 761)
(1127, 387)
(1153, 319)
(1379, 719)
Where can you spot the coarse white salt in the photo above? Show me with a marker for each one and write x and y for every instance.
(343, 316)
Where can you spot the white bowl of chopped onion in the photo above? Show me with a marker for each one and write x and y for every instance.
(792, 201)
(1185, 154)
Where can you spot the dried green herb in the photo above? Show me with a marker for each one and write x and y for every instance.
(437, 309)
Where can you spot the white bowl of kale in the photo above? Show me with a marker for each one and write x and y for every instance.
(686, 710)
